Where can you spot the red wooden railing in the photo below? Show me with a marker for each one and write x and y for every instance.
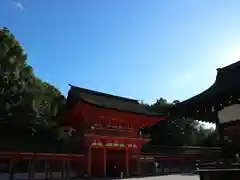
(9, 162)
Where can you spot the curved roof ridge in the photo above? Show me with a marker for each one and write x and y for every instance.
(104, 94)
(108, 101)
(230, 66)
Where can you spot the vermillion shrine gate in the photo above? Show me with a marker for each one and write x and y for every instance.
(108, 127)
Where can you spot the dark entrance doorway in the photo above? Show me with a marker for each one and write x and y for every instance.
(115, 163)
(112, 169)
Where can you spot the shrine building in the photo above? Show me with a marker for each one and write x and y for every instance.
(219, 104)
(108, 131)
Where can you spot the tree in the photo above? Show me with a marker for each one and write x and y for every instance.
(175, 131)
(161, 106)
(15, 77)
(175, 102)
(210, 138)
(48, 103)
(30, 107)
(25, 100)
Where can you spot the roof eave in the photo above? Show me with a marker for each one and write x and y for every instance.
(138, 113)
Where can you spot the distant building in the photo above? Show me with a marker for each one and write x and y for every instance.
(219, 104)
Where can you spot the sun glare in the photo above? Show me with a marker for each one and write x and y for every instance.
(230, 56)
(235, 53)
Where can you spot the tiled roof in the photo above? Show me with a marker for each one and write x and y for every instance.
(107, 101)
(226, 85)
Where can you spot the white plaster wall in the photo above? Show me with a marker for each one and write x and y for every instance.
(229, 113)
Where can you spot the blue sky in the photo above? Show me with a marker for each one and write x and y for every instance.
(144, 49)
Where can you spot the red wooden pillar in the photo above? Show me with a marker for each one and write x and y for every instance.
(104, 161)
(68, 168)
(63, 170)
(139, 164)
(12, 167)
(126, 162)
(47, 169)
(31, 169)
(50, 169)
(170, 165)
(89, 162)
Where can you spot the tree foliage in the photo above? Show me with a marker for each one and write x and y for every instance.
(16, 76)
(177, 131)
(26, 101)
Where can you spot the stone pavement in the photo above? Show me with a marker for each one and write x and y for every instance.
(167, 177)
(170, 177)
